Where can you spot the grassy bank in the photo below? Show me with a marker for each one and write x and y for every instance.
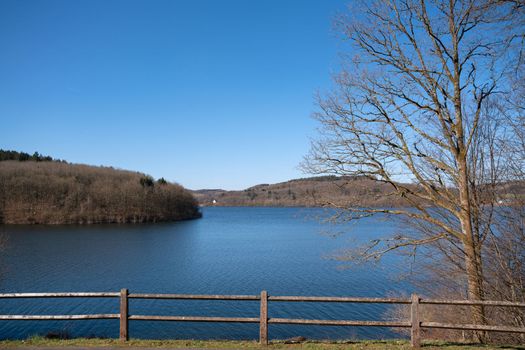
(224, 344)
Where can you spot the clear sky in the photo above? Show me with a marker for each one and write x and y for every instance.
(209, 94)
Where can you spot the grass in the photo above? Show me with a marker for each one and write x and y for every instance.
(227, 344)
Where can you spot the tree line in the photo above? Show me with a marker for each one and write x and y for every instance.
(23, 156)
(47, 192)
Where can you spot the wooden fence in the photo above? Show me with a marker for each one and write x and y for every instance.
(414, 323)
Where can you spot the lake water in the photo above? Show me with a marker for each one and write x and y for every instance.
(285, 251)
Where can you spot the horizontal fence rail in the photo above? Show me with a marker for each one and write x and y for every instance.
(414, 323)
(193, 296)
(339, 322)
(60, 317)
(59, 295)
(195, 319)
(340, 300)
(472, 302)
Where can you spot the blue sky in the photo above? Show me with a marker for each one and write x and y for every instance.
(209, 94)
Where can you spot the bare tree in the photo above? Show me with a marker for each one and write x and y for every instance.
(415, 106)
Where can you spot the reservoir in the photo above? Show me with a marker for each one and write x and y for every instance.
(231, 250)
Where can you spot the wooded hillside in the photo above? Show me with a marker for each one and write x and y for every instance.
(50, 192)
(308, 192)
(332, 191)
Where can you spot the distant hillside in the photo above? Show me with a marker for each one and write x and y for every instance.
(334, 191)
(51, 192)
(314, 191)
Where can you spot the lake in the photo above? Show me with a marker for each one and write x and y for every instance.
(286, 251)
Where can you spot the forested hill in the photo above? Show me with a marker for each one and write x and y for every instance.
(308, 192)
(46, 191)
(334, 191)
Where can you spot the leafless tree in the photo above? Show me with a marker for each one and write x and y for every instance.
(416, 106)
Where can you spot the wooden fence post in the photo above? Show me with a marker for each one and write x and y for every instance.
(263, 319)
(415, 331)
(124, 315)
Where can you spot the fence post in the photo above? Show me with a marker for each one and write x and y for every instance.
(415, 332)
(263, 319)
(124, 315)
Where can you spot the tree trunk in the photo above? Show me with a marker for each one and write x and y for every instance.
(475, 287)
(473, 263)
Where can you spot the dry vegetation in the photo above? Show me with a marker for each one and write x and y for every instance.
(39, 342)
(50, 192)
(315, 191)
(332, 191)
